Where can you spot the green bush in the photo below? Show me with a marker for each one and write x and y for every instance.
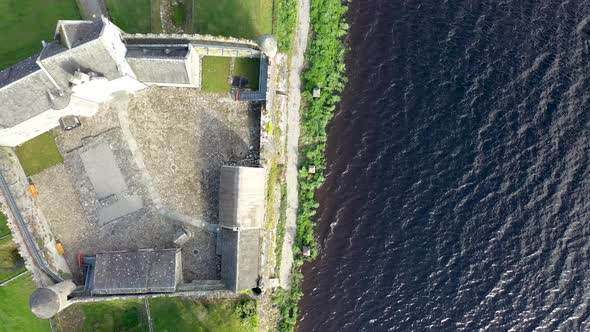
(326, 70)
(287, 23)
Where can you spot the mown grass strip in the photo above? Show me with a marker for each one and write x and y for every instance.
(326, 70)
(131, 16)
(15, 313)
(287, 23)
(11, 264)
(249, 68)
(25, 23)
(215, 74)
(233, 18)
(181, 314)
(38, 154)
(4, 230)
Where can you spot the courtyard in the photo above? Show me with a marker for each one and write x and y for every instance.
(145, 167)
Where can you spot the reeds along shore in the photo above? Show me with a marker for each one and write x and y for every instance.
(326, 71)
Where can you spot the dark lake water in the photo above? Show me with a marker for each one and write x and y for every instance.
(458, 190)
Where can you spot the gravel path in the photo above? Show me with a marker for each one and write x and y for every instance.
(293, 119)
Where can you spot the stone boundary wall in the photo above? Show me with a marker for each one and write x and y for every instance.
(201, 295)
(191, 38)
(34, 219)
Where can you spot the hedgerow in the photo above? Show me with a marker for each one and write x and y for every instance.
(326, 70)
(287, 23)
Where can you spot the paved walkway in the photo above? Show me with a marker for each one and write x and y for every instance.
(293, 118)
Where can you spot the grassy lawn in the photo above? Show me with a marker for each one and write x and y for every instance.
(250, 68)
(215, 74)
(114, 316)
(131, 15)
(15, 314)
(4, 230)
(11, 263)
(179, 14)
(179, 314)
(24, 23)
(38, 154)
(234, 18)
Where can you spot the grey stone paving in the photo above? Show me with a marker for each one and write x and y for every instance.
(144, 166)
(102, 169)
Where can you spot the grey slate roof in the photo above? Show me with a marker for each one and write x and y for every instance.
(90, 56)
(241, 212)
(240, 258)
(19, 70)
(159, 70)
(25, 98)
(137, 272)
(75, 33)
(158, 63)
(242, 196)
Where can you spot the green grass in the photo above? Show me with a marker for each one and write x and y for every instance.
(179, 14)
(4, 230)
(38, 154)
(24, 23)
(215, 74)
(250, 68)
(11, 263)
(156, 19)
(287, 23)
(15, 314)
(131, 15)
(233, 18)
(180, 314)
(114, 316)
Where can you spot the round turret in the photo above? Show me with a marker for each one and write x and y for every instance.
(44, 303)
(268, 45)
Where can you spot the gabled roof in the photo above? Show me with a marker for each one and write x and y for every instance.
(137, 272)
(92, 56)
(159, 63)
(240, 255)
(159, 70)
(241, 196)
(74, 33)
(241, 212)
(19, 70)
(25, 98)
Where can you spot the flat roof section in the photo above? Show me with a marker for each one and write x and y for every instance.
(137, 272)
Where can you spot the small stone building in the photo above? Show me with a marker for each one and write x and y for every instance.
(242, 199)
(136, 272)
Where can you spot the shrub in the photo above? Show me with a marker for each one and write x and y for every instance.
(326, 70)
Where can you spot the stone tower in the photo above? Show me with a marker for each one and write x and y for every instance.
(268, 45)
(46, 302)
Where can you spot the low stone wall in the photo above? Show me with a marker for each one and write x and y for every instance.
(197, 295)
(191, 38)
(33, 217)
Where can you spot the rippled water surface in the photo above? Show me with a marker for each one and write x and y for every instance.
(458, 193)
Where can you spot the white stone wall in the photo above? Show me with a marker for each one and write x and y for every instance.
(85, 101)
(44, 122)
(193, 67)
(111, 38)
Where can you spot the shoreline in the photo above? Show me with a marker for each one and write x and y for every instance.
(293, 131)
(325, 78)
